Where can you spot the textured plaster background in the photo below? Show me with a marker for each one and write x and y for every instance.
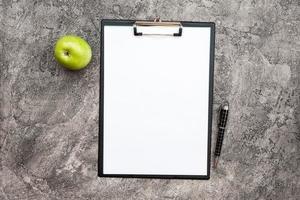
(49, 116)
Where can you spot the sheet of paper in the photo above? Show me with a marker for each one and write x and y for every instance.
(156, 92)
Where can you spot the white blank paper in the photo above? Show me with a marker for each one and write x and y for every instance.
(156, 98)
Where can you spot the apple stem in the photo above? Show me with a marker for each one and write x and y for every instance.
(66, 53)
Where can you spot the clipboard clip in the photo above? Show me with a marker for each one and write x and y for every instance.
(157, 22)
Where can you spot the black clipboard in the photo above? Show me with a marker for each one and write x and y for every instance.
(137, 33)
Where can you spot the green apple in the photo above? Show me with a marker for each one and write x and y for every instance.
(72, 52)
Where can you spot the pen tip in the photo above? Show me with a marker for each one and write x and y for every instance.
(216, 162)
(226, 106)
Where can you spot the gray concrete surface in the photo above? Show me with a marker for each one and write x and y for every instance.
(49, 116)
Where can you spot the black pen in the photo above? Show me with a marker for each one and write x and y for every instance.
(222, 124)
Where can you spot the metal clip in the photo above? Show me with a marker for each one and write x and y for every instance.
(157, 22)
